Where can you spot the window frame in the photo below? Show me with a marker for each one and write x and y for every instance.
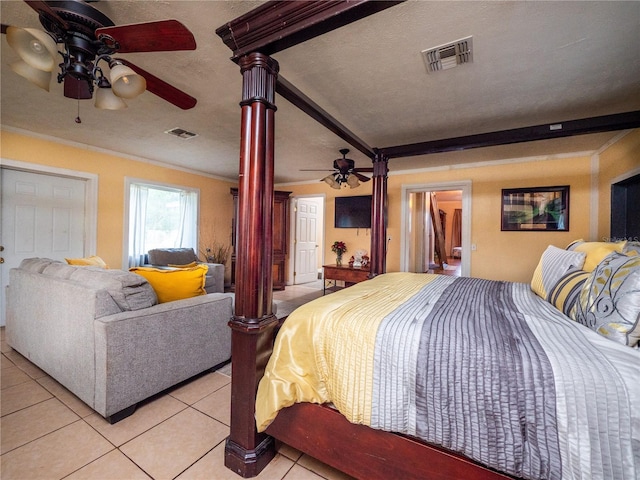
(159, 186)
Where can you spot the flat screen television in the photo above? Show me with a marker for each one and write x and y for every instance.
(353, 212)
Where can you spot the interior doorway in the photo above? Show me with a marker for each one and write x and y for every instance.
(625, 198)
(307, 218)
(46, 212)
(450, 205)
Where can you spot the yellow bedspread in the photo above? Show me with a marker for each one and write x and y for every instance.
(311, 364)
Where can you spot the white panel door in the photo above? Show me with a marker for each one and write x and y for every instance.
(306, 245)
(42, 216)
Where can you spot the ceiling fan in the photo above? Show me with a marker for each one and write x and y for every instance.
(345, 172)
(89, 39)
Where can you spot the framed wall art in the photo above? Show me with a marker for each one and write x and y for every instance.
(535, 209)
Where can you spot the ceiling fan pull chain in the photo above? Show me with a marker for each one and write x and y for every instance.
(78, 119)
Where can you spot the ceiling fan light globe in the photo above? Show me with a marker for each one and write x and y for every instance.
(35, 47)
(38, 77)
(352, 181)
(329, 180)
(126, 83)
(107, 100)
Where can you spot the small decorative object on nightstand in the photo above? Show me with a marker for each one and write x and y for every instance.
(358, 258)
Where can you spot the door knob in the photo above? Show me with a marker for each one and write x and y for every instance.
(1, 260)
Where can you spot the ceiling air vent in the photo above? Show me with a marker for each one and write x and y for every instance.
(179, 132)
(449, 55)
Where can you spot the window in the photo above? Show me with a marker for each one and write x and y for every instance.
(160, 216)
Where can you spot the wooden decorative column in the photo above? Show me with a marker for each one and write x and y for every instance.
(379, 215)
(246, 451)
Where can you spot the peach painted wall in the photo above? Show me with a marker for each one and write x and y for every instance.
(216, 203)
(500, 255)
(619, 160)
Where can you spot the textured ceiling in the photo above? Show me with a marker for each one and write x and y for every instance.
(534, 63)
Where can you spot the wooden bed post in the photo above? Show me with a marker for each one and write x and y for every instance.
(246, 451)
(379, 215)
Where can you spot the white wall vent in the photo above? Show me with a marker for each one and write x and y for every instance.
(449, 55)
(180, 132)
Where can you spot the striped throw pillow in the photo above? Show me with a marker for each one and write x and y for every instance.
(565, 293)
(553, 264)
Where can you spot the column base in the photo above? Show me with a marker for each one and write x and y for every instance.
(249, 463)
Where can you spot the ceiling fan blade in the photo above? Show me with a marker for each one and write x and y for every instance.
(44, 9)
(361, 177)
(76, 89)
(366, 169)
(164, 90)
(161, 36)
(313, 170)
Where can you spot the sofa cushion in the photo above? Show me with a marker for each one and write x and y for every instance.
(59, 270)
(36, 265)
(129, 291)
(175, 283)
(93, 260)
(172, 256)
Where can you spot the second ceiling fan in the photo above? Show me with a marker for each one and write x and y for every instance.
(345, 172)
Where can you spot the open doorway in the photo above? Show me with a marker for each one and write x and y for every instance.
(445, 247)
(307, 229)
(625, 198)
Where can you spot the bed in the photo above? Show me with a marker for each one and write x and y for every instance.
(485, 368)
(320, 429)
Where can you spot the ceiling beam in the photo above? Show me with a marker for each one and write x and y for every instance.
(277, 25)
(605, 123)
(308, 106)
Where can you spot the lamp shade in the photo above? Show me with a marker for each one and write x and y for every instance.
(352, 181)
(107, 100)
(331, 181)
(38, 77)
(34, 46)
(125, 82)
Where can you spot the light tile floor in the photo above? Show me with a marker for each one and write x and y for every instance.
(47, 433)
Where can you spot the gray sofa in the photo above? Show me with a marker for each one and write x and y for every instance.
(102, 335)
(163, 257)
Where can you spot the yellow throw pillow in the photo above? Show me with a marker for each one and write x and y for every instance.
(92, 261)
(175, 284)
(596, 252)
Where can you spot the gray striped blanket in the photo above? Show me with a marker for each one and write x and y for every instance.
(484, 368)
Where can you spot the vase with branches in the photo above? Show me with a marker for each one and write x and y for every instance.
(215, 251)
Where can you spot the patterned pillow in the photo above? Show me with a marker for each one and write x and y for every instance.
(595, 251)
(631, 248)
(610, 299)
(553, 264)
(565, 294)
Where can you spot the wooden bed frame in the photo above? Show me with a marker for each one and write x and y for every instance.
(315, 429)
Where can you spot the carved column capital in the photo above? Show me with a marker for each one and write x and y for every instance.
(260, 73)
